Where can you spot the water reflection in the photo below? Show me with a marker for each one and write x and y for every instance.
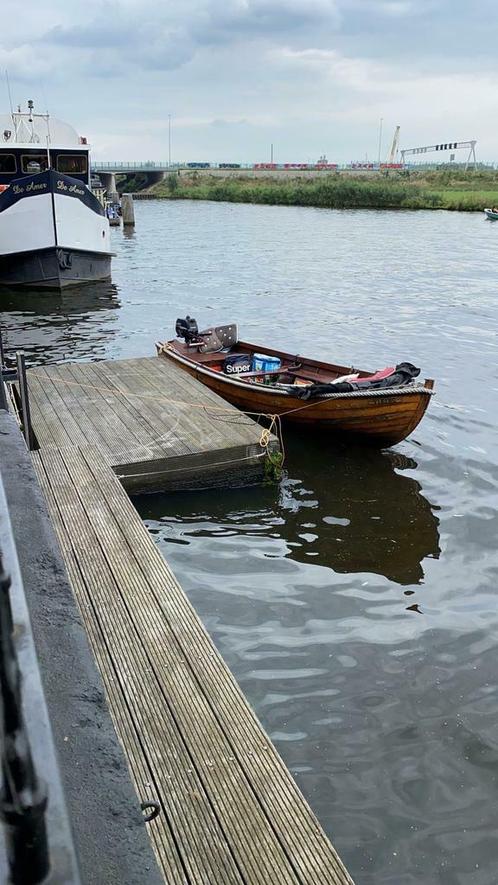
(367, 515)
(50, 326)
(355, 514)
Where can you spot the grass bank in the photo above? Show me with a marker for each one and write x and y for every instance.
(462, 191)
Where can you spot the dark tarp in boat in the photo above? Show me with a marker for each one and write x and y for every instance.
(403, 374)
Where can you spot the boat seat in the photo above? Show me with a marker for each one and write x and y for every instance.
(312, 374)
(219, 338)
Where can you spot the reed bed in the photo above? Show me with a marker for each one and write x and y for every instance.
(433, 190)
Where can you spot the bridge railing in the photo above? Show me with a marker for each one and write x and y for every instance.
(132, 167)
(157, 166)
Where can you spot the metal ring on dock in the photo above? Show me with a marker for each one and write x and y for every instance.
(154, 805)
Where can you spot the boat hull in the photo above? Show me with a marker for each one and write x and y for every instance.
(53, 233)
(382, 417)
(54, 268)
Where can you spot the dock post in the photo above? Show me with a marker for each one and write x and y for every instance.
(127, 209)
(2, 355)
(3, 395)
(23, 391)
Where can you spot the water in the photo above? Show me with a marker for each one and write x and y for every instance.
(356, 602)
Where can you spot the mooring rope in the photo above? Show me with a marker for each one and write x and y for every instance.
(266, 433)
(275, 423)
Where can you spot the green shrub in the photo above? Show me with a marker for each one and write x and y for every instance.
(172, 182)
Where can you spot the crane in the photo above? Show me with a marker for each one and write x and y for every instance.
(394, 147)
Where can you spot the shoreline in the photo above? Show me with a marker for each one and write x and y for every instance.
(205, 199)
(451, 191)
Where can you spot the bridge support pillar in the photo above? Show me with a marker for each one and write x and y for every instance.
(108, 179)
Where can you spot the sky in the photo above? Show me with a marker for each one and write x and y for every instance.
(311, 77)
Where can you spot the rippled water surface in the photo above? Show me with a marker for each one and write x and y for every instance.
(356, 602)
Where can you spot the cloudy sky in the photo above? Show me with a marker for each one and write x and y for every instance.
(311, 76)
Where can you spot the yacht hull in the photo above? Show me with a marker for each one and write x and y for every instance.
(53, 233)
(53, 268)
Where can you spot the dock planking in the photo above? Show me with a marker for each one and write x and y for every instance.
(157, 427)
(231, 811)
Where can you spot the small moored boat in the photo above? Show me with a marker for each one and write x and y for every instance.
(379, 407)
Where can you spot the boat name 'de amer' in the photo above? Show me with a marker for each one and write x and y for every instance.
(39, 186)
(70, 188)
(32, 186)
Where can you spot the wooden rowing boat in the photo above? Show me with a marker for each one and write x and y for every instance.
(383, 416)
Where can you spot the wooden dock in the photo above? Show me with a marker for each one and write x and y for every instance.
(157, 427)
(231, 812)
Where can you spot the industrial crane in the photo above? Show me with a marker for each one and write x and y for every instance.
(394, 147)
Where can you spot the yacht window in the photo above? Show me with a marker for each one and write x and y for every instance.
(36, 160)
(72, 164)
(8, 164)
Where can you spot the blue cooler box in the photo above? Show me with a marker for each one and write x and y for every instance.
(263, 363)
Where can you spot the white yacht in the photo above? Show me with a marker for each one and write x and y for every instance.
(53, 230)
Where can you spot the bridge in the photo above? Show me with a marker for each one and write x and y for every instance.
(153, 171)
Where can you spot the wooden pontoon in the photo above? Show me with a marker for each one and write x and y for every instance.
(383, 416)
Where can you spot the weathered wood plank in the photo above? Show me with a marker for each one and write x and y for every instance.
(299, 829)
(157, 427)
(43, 434)
(211, 414)
(165, 665)
(232, 813)
(236, 805)
(105, 416)
(153, 411)
(62, 411)
(136, 698)
(81, 410)
(45, 400)
(142, 774)
(125, 412)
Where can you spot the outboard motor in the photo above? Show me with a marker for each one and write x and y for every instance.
(188, 330)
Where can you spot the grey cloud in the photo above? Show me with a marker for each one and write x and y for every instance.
(220, 123)
(99, 34)
(265, 17)
(166, 38)
(151, 45)
(425, 35)
(440, 33)
(164, 52)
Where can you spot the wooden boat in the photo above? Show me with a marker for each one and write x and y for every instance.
(383, 416)
(489, 213)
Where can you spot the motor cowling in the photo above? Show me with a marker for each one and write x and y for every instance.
(187, 329)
